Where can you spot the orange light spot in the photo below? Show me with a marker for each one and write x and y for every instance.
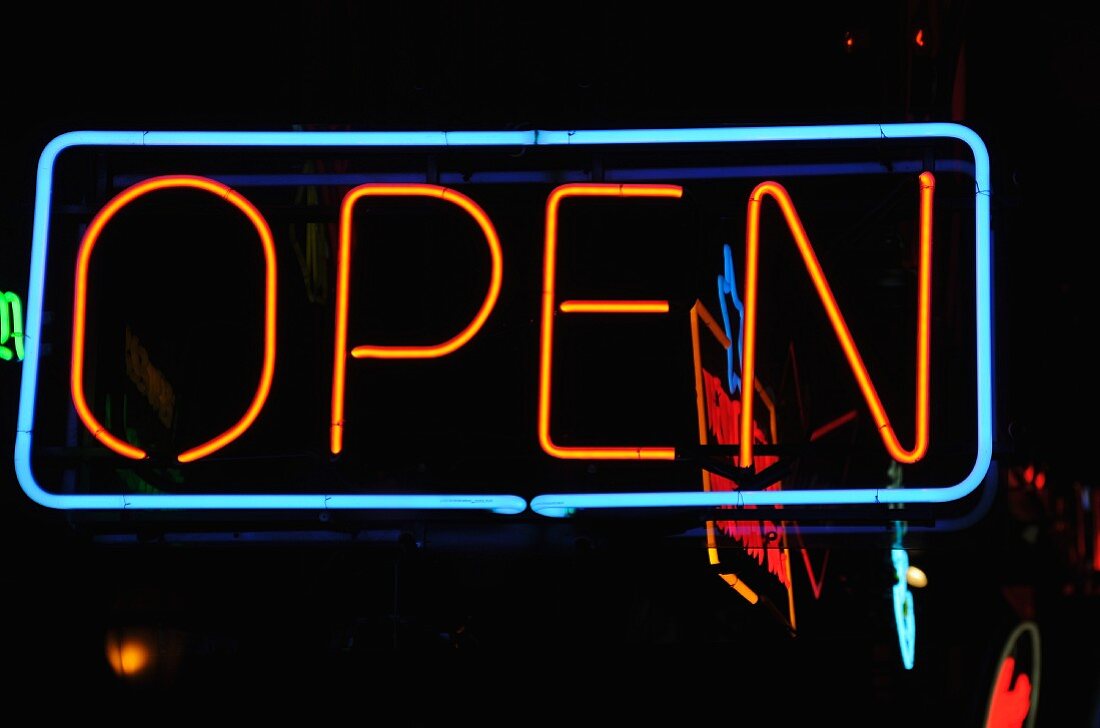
(84, 255)
(339, 373)
(920, 38)
(546, 352)
(836, 318)
(128, 656)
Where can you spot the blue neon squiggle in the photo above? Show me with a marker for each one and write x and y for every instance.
(727, 286)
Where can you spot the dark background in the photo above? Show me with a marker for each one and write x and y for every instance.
(547, 613)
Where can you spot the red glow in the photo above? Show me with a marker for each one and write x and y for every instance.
(815, 584)
(84, 256)
(1011, 701)
(723, 418)
(1040, 480)
(339, 367)
(546, 351)
(699, 311)
(830, 426)
(836, 318)
(706, 403)
(920, 38)
(1095, 499)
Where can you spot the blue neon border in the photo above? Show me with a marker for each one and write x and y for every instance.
(545, 504)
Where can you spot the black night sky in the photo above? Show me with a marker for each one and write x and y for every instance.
(452, 612)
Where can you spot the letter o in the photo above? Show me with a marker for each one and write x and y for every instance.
(80, 294)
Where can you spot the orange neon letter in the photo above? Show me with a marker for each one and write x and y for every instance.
(339, 366)
(840, 327)
(546, 354)
(84, 256)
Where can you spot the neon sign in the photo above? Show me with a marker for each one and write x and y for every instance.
(11, 326)
(557, 310)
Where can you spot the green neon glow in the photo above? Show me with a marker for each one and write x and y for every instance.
(11, 325)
